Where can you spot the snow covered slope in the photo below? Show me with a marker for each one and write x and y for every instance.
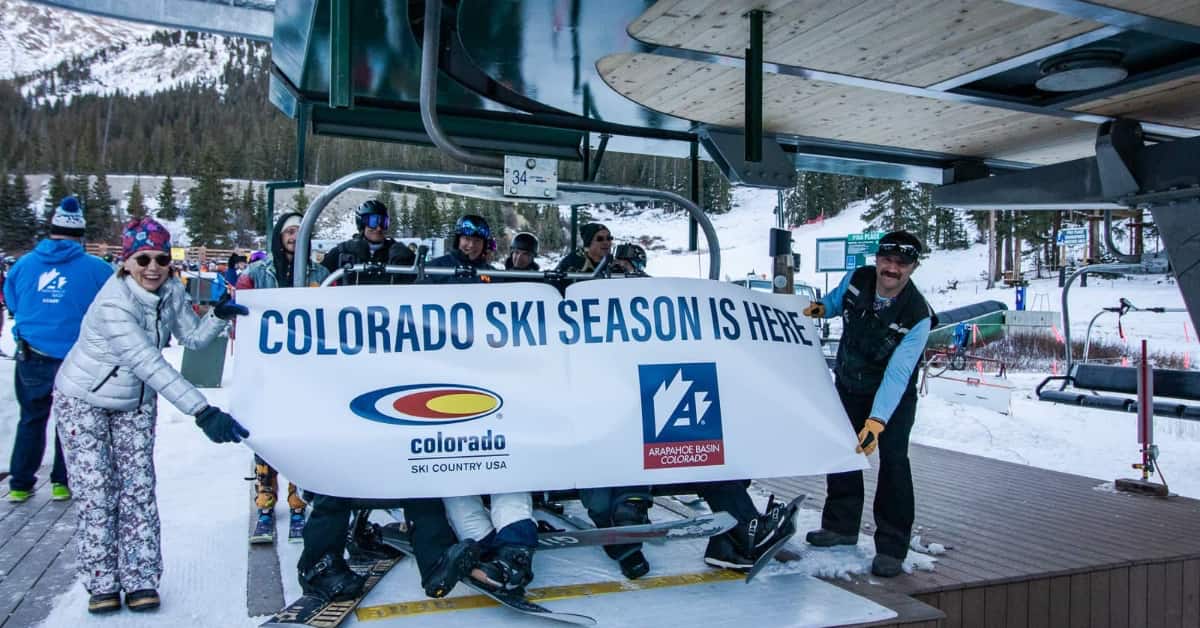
(106, 55)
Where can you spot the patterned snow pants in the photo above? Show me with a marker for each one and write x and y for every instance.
(110, 457)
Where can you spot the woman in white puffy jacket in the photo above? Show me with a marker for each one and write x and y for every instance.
(105, 404)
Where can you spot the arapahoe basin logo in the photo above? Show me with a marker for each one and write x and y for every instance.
(426, 404)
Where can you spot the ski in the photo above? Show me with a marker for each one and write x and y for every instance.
(789, 512)
(519, 604)
(296, 527)
(313, 611)
(264, 529)
(700, 527)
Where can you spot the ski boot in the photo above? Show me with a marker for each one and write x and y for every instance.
(365, 542)
(886, 566)
(331, 580)
(508, 570)
(829, 538)
(454, 565)
(740, 547)
(631, 511)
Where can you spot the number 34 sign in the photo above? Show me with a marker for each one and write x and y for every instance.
(529, 177)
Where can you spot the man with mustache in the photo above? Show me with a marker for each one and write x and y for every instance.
(885, 325)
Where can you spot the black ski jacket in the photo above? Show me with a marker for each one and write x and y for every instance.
(358, 251)
(869, 338)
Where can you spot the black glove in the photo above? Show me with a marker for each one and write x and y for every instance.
(226, 308)
(219, 427)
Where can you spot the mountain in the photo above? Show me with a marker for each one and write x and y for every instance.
(55, 54)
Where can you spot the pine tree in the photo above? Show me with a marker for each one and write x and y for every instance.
(101, 224)
(81, 187)
(167, 208)
(300, 201)
(385, 197)
(137, 202)
(427, 219)
(404, 216)
(59, 189)
(244, 216)
(24, 223)
(207, 217)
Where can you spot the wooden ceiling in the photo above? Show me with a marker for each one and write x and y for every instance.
(912, 43)
(1186, 11)
(795, 106)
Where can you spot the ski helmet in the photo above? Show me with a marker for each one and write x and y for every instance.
(472, 226)
(525, 241)
(372, 214)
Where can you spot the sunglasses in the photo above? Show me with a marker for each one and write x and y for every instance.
(376, 221)
(162, 260)
(472, 230)
(906, 252)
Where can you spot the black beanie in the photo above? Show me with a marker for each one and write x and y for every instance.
(589, 231)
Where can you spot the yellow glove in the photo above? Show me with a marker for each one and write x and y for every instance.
(868, 436)
(816, 309)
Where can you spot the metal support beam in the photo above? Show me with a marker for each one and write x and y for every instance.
(1165, 173)
(754, 88)
(301, 139)
(1032, 56)
(1112, 16)
(599, 158)
(694, 186)
(1117, 145)
(1180, 230)
(340, 89)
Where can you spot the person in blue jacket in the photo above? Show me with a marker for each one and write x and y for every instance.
(885, 325)
(48, 291)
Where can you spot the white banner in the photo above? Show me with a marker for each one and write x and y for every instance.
(427, 391)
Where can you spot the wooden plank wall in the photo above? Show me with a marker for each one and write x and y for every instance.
(1155, 595)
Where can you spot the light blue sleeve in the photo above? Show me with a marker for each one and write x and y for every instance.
(899, 369)
(833, 300)
(10, 290)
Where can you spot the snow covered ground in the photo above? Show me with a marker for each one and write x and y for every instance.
(203, 497)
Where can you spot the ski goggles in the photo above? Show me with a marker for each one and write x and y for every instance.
(376, 221)
(906, 253)
(471, 230)
(163, 260)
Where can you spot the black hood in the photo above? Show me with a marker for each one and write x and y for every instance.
(283, 268)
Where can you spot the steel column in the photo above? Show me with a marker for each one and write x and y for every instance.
(340, 89)
(1180, 230)
(754, 88)
(694, 185)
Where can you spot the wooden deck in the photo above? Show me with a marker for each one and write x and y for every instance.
(1039, 548)
(1030, 548)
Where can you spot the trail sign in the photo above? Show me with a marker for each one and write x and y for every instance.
(865, 243)
(1073, 236)
(831, 255)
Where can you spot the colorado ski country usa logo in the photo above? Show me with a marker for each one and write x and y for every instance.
(426, 404)
(681, 415)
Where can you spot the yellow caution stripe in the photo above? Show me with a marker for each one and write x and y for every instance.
(544, 594)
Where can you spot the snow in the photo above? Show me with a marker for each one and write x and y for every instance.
(204, 502)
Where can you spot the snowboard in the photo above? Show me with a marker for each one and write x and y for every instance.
(296, 527)
(264, 528)
(313, 611)
(519, 604)
(789, 511)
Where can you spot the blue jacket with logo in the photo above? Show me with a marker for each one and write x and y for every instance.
(49, 290)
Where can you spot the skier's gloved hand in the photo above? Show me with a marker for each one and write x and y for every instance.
(219, 427)
(816, 309)
(226, 308)
(868, 436)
